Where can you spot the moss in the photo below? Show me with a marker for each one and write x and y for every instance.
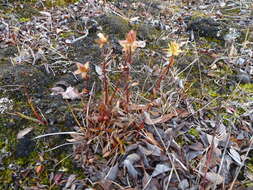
(66, 34)
(147, 32)
(59, 3)
(180, 140)
(194, 132)
(231, 11)
(22, 19)
(247, 87)
(115, 25)
(6, 177)
(198, 14)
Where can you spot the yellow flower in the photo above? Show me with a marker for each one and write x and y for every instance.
(173, 49)
(102, 39)
(83, 69)
(130, 43)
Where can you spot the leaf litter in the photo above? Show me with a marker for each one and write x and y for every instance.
(165, 140)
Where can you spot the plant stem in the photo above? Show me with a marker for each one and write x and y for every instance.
(105, 83)
(164, 73)
(126, 77)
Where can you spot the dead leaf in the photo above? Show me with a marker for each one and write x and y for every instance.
(214, 178)
(113, 172)
(160, 168)
(23, 132)
(128, 163)
(147, 182)
(44, 13)
(71, 93)
(98, 70)
(71, 179)
(136, 107)
(164, 118)
(58, 178)
(151, 139)
(235, 155)
(212, 139)
(130, 168)
(56, 90)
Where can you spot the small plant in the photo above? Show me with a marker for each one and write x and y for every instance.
(172, 51)
(129, 46)
(109, 118)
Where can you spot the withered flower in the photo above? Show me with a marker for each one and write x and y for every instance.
(102, 39)
(130, 43)
(83, 69)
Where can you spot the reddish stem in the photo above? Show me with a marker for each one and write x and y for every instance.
(128, 61)
(164, 73)
(105, 83)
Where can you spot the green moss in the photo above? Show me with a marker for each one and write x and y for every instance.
(24, 19)
(115, 25)
(180, 140)
(198, 14)
(231, 11)
(6, 177)
(247, 87)
(66, 34)
(194, 132)
(61, 3)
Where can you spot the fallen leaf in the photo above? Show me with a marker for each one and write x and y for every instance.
(56, 90)
(98, 70)
(235, 155)
(147, 182)
(71, 93)
(130, 168)
(71, 179)
(23, 132)
(151, 139)
(214, 178)
(44, 13)
(113, 172)
(160, 168)
(212, 139)
(128, 163)
(163, 118)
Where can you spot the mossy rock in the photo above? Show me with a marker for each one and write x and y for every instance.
(114, 25)
(26, 76)
(147, 32)
(207, 27)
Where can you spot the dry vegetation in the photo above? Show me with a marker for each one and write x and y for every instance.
(168, 107)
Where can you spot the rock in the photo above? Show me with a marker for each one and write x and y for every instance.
(114, 25)
(243, 78)
(24, 76)
(207, 27)
(147, 32)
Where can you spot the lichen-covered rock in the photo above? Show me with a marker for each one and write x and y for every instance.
(206, 27)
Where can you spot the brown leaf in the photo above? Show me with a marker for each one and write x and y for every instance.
(151, 139)
(164, 118)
